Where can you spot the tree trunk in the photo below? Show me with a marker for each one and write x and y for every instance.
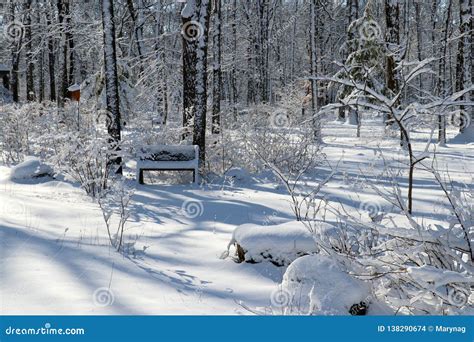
(111, 81)
(30, 67)
(233, 77)
(70, 43)
(313, 72)
(462, 67)
(216, 69)
(442, 71)
(16, 49)
(203, 9)
(419, 41)
(51, 63)
(189, 32)
(392, 18)
(62, 93)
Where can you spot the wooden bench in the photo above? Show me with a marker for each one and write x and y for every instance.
(168, 158)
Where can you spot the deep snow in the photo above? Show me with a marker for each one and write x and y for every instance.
(56, 259)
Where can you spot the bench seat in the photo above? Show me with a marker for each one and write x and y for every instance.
(168, 158)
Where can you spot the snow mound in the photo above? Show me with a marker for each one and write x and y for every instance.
(316, 284)
(31, 168)
(279, 244)
(238, 174)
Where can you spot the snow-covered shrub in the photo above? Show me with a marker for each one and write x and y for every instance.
(291, 155)
(114, 203)
(419, 269)
(84, 159)
(30, 168)
(278, 244)
(14, 132)
(317, 285)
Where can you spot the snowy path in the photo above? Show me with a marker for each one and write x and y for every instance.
(55, 254)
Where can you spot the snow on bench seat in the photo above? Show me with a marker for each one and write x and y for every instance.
(279, 244)
(168, 158)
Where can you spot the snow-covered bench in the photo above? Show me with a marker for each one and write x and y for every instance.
(168, 158)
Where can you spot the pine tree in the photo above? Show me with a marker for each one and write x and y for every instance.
(364, 64)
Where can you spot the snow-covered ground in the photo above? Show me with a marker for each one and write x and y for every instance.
(56, 258)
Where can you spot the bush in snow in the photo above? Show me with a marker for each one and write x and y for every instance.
(14, 133)
(84, 159)
(114, 203)
(316, 284)
(31, 168)
(291, 155)
(278, 244)
(421, 269)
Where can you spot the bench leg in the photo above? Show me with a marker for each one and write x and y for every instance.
(140, 176)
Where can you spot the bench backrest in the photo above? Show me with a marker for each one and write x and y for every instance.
(169, 152)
